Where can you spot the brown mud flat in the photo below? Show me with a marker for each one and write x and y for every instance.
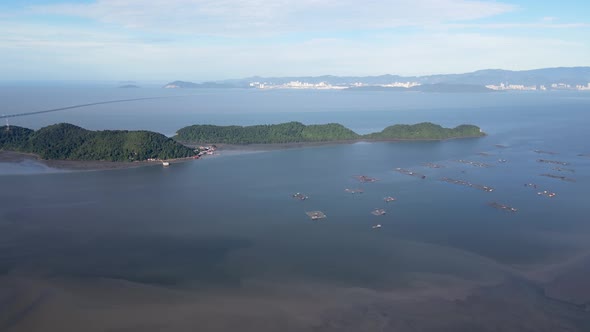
(116, 305)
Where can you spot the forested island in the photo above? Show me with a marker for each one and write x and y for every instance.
(296, 132)
(68, 142)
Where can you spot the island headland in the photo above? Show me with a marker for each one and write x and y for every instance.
(74, 146)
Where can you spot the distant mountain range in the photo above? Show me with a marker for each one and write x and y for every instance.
(545, 76)
(556, 78)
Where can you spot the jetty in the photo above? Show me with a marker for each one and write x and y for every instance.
(354, 191)
(378, 212)
(468, 184)
(473, 163)
(503, 207)
(300, 196)
(316, 215)
(559, 177)
(411, 173)
(557, 162)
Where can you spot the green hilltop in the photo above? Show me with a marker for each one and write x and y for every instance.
(425, 131)
(290, 132)
(68, 142)
(295, 132)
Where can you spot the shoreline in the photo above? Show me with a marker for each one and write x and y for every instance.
(80, 165)
(99, 165)
(294, 145)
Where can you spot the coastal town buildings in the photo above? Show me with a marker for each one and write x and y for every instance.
(503, 86)
(328, 86)
(553, 86)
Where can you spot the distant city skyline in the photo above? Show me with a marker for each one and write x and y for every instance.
(209, 40)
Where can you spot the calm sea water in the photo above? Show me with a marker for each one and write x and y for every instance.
(231, 218)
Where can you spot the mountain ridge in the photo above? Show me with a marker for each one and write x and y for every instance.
(579, 75)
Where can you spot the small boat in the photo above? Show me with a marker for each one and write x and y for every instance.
(378, 212)
(316, 215)
(165, 164)
(389, 199)
(376, 226)
(546, 194)
(354, 191)
(300, 196)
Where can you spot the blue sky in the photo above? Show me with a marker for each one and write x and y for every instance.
(217, 39)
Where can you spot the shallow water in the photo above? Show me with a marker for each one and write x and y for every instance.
(232, 218)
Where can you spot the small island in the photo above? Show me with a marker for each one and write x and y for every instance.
(204, 85)
(296, 132)
(67, 142)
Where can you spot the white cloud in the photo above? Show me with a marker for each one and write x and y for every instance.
(86, 54)
(125, 45)
(251, 17)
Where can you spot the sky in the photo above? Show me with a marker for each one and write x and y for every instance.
(201, 40)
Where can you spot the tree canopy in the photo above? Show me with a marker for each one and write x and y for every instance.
(290, 132)
(295, 132)
(68, 142)
(426, 130)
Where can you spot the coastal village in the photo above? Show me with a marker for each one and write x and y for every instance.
(202, 150)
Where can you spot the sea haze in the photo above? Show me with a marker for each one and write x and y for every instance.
(219, 244)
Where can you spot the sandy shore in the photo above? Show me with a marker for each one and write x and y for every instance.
(79, 165)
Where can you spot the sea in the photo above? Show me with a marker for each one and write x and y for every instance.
(229, 221)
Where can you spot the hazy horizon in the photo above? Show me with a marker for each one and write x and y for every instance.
(164, 80)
